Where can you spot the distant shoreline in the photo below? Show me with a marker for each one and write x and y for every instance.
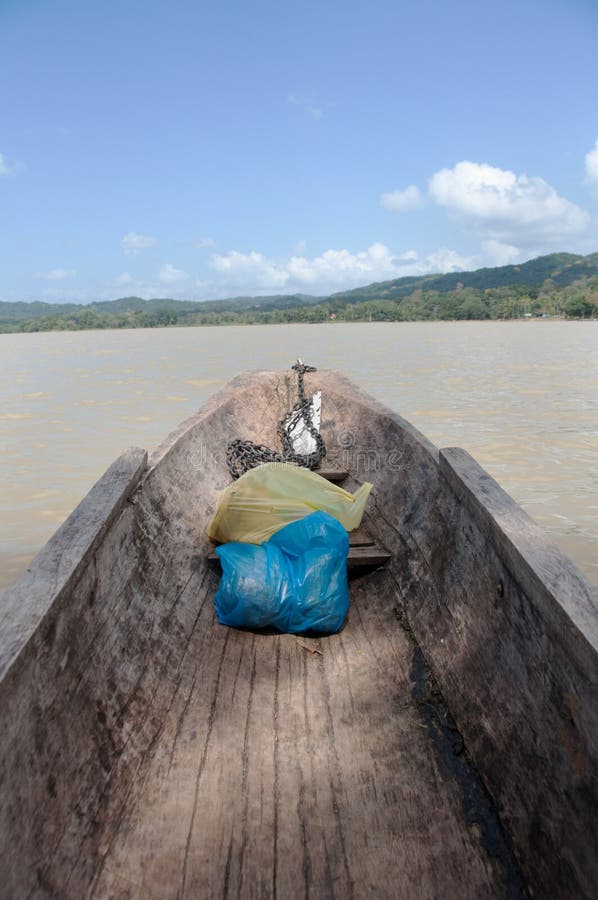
(560, 285)
(337, 322)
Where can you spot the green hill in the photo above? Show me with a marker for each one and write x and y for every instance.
(22, 312)
(560, 283)
(19, 312)
(562, 268)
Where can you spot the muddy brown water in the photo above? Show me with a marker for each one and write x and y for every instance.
(521, 397)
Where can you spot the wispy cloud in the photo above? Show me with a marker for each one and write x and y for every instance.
(203, 244)
(125, 279)
(310, 105)
(402, 201)
(591, 166)
(134, 243)
(6, 169)
(168, 274)
(57, 274)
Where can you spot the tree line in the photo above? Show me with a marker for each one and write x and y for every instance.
(578, 300)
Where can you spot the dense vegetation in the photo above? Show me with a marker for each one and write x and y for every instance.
(556, 285)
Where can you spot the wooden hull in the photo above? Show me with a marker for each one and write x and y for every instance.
(444, 744)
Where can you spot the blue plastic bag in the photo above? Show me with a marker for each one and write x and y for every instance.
(295, 582)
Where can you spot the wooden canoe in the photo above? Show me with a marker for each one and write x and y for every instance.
(443, 745)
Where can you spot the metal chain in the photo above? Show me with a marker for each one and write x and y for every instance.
(301, 410)
(242, 455)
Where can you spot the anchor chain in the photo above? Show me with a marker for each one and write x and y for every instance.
(242, 455)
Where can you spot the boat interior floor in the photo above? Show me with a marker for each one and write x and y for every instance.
(293, 766)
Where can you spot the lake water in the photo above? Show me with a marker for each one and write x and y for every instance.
(521, 397)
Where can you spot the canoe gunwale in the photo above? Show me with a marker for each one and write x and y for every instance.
(30, 600)
(557, 586)
(507, 624)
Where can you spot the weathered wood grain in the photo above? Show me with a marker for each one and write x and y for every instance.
(146, 751)
(518, 627)
(364, 554)
(57, 566)
(293, 767)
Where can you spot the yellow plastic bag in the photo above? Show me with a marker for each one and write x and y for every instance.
(266, 498)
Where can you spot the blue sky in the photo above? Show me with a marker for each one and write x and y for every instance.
(200, 150)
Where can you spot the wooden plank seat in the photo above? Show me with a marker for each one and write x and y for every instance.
(336, 476)
(364, 553)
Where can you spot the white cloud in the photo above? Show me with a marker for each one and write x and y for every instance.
(309, 105)
(591, 162)
(134, 243)
(446, 260)
(513, 210)
(498, 254)
(57, 274)
(203, 243)
(250, 268)
(5, 169)
(254, 273)
(124, 279)
(169, 275)
(332, 270)
(402, 201)
(340, 267)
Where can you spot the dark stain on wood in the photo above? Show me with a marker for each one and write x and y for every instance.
(51, 786)
(478, 807)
